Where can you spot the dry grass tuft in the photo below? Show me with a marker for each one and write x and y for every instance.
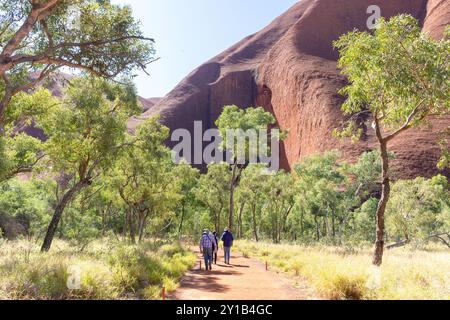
(406, 273)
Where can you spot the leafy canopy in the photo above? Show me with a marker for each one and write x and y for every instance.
(38, 37)
(19, 152)
(235, 118)
(87, 129)
(398, 74)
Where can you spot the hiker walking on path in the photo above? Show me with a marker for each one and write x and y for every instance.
(227, 238)
(216, 247)
(206, 247)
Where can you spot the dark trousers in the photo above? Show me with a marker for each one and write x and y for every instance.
(207, 255)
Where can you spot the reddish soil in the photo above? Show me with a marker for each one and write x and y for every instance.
(244, 279)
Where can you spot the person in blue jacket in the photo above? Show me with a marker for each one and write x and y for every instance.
(227, 239)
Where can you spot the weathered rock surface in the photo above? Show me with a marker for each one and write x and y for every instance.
(149, 103)
(289, 68)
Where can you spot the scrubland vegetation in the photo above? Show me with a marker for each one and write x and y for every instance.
(105, 269)
(88, 193)
(347, 273)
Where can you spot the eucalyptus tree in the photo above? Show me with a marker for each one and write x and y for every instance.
(20, 152)
(85, 132)
(37, 37)
(213, 191)
(280, 194)
(398, 77)
(144, 178)
(239, 129)
(419, 209)
(187, 179)
(253, 189)
(318, 190)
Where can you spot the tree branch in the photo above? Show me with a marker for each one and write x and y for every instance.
(38, 12)
(47, 33)
(43, 74)
(408, 122)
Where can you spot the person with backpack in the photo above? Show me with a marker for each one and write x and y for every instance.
(227, 239)
(206, 248)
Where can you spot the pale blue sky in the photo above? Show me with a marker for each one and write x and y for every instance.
(190, 32)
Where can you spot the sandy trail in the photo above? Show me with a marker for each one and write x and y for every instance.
(244, 279)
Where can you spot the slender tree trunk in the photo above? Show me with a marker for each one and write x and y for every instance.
(132, 229)
(286, 216)
(104, 213)
(65, 200)
(317, 227)
(232, 186)
(333, 224)
(219, 216)
(61, 228)
(125, 223)
(141, 232)
(240, 219)
(142, 224)
(255, 230)
(302, 225)
(385, 195)
(180, 228)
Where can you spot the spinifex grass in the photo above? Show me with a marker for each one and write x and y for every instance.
(107, 269)
(337, 273)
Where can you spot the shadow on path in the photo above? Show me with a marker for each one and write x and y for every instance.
(243, 279)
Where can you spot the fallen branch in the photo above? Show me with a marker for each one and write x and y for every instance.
(439, 236)
(405, 242)
(398, 244)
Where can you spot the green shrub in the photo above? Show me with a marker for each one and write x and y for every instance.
(124, 271)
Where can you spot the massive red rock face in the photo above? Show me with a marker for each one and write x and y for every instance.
(289, 68)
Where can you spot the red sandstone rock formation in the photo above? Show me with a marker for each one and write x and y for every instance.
(149, 103)
(289, 68)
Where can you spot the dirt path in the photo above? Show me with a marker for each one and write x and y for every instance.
(244, 279)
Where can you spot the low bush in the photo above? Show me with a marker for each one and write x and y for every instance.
(100, 272)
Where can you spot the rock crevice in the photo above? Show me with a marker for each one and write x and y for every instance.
(290, 69)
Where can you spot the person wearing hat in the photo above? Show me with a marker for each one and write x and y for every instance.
(227, 238)
(206, 248)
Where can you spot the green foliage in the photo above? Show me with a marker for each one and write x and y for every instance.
(105, 270)
(419, 208)
(318, 190)
(398, 73)
(212, 192)
(235, 118)
(95, 36)
(147, 181)
(86, 131)
(240, 131)
(187, 179)
(398, 76)
(19, 152)
(280, 201)
(29, 202)
(252, 195)
(444, 144)
(364, 221)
